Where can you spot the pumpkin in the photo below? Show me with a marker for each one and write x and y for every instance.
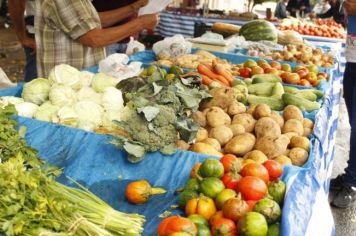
(258, 30)
(289, 37)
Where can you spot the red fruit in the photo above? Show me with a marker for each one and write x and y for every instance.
(275, 170)
(251, 204)
(224, 227)
(245, 72)
(231, 180)
(252, 188)
(230, 163)
(257, 170)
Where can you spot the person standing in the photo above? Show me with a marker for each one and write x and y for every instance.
(25, 31)
(301, 6)
(281, 9)
(74, 33)
(344, 186)
(321, 7)
(336, 11)
(108, 5)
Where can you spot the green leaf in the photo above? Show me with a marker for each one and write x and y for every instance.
(135, 152)
(156, 88)
(187, 129)
(169, 149)
(149, 112)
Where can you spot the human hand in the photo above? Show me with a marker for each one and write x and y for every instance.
(29, 42)
(140, 3)
(149, 21)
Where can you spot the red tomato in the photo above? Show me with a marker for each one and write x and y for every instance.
(257, 170)
(245, 72)
(215, 217)
(252, 188)
(275, 170)
(225, 227)
(176, 224)
(304, 82)
(231, 180)
(251, 204)
(230, 163)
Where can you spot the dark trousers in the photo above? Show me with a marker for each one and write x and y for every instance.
(30, 71)
(350, 100)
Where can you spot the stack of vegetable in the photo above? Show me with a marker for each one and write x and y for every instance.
(228, 197)
(70, 97)
(157, 113)
(258, 133)
(33, 203)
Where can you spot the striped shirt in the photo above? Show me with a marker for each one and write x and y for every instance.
(58, 25)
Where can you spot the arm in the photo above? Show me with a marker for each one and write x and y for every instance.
(17, 10)
(103, 37)
(327, 14)
(109, 18)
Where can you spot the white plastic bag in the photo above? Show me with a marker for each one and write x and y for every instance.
(134, 46)
(172, 47)
(116, 65)
(5, 81)
(153, 6)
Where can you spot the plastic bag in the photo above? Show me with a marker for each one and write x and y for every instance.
(172, 47)
(116, 65)
(5, 82)
(134, 46)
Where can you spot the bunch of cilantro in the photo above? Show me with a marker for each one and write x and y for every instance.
(157, 114)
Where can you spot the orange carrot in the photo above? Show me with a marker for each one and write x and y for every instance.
(220, 70)
(190, 73)
(209, 66)
(206, 80)
(202, 69)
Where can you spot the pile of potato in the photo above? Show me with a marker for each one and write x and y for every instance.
(257, 133)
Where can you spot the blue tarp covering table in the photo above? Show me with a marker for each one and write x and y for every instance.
(90, 159)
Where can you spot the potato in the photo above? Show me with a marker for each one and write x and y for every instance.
(271, 146)
(222, 97)
(201, 135)
(200, 118)
(221, 133)
(307, 132)
(240, 144)
(261, 110)
(213, 142)
(251, 109)
(267, 127)
(298, 156)
(181, 144)
(237, 129)
(283, 160)
(257, 156)
(236, 108)
(246, 120)
(277, 118)
(301, 142)
(216, 116)
(307, 123)
(206, 149)
(286, 153)
(291, 134)
(293, 125)
(292, 112)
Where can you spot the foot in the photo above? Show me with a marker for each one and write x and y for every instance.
(345, 197)
(337, 183)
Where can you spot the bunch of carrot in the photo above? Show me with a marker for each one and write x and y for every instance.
(215, 73)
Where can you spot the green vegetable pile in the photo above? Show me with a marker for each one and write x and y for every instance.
(33, 203)
(12, 143)
(157, 113)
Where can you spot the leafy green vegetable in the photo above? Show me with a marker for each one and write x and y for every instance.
(157, 113)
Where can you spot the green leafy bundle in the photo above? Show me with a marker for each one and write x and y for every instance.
(157, 113)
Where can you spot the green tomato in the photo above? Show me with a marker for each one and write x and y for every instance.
(176, 70)
(277, 190)
(223, 196)
(211, 168)
(273, 230)
(198, 220)
(192, 184)
(253, 224)
(170, 76)
(211, 187)
(185, 196)
(203, 230)
(151, 69)
(269, 209)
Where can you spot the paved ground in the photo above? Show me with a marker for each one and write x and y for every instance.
(12, 62)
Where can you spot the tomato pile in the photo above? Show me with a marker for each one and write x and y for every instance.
(229, 197)
(323, 30)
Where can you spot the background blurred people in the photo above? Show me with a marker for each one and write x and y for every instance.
(281, 9)
(336, 11)
(321, 7)
(298, 6)
(25, 31)
(74, 33)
